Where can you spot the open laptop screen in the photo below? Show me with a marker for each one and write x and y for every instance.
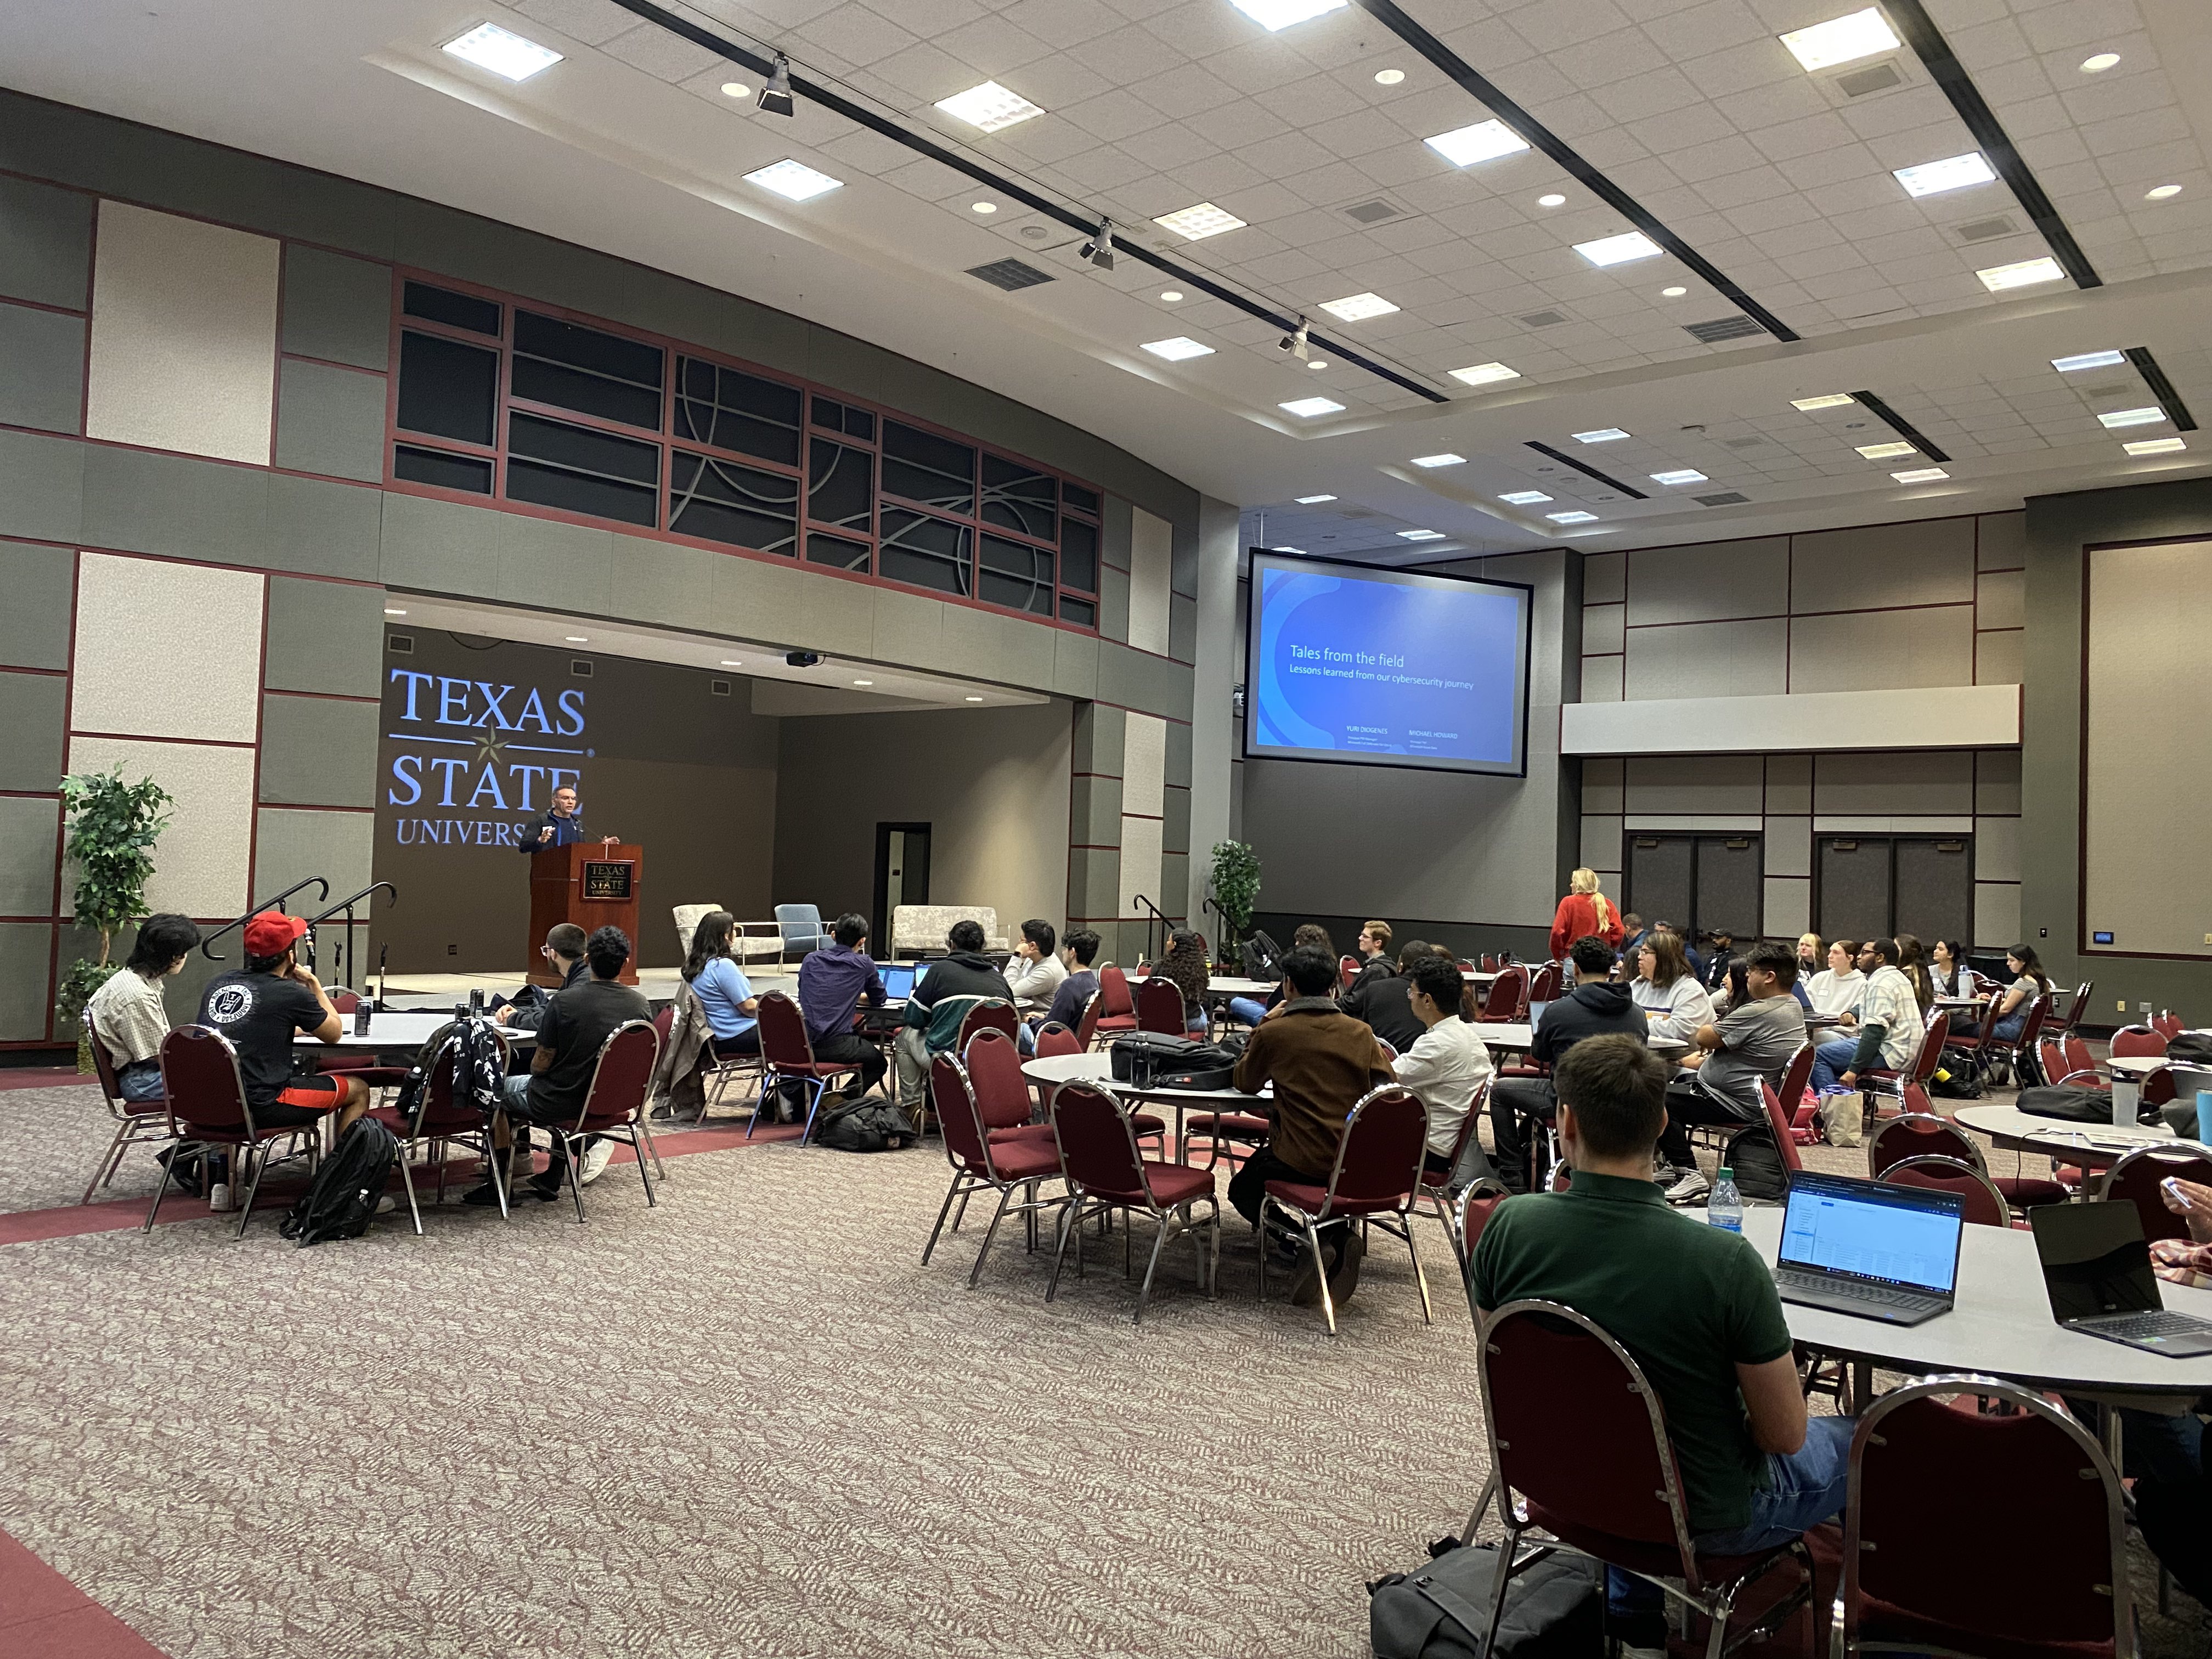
(1899, 1234)
(2094, 1259)
(898, 981)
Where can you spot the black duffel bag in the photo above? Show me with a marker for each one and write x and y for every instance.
(1154, 1060)
(2072, 1105)
(1554, 1610)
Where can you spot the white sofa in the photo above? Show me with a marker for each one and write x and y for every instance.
(919, 929)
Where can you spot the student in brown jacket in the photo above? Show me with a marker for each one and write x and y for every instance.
(1320, 1060)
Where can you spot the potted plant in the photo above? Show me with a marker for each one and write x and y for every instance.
(1236, 890)
(112, 827)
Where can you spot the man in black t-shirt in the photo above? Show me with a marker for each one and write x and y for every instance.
(259, 1008)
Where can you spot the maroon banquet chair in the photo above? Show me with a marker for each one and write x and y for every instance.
(358, 1063)
(2134, 1180)
(980, 1164)
(1054, 1040)
(787, 1052)
(993, 1065)
(1116, 1008)
(1436, 1189)
(136, 1121)
(987, 1014)
(2138, 1041)
(207, 1103)
(1507, 1002)
(1348, 970)
(1923, 1135)
(1160, 1006)
(1376, 1177)
(1086, 1028)
(1908, 1086)
(1611, 1491)
(1985, 1205)
(1097, 1153)
(2000, 1491)
(438, 1121)
(614, 1104)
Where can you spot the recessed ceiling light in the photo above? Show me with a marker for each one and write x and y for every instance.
(736, 89)
(1953, 173)
(502, 51)
(989, 106)
(1484, 140)
(2118, 417)
(2161, 193)
(1553, 200)
(1680, 475)
(1604, 434)
(982, 207)
(1921, 475)
(974, 700)
(2026, 273)
(1388, 77)
(864, 681)
(1826, 400)
(1286, 549)
(1672, 292)
(1318, 362)
(1886, 452)
(1618, 250)
(389, 611)
(1422, 535)
(1171, 295)
(1273, 14)
(1577, 517)
(1309, 500)
(2099, 62)
(1306, 408)
(794, 180)
(1840, 39)
(1525, 497)
(2154, 446)
(1358, 308)
(577, 639)
(1197, 222)
(1486, 373)
(1445, 460)
(733, 662)
(1175, 351)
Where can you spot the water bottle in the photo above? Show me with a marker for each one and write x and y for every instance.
(218, 1168)
(1724, 1207)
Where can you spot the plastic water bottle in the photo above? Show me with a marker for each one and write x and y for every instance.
(1724, 1207)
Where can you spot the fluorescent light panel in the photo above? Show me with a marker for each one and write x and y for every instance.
(1841, 39)
(1358, 308)
(2119, 417)
(1921, 475)
(1445, 460)
(1572, 518)
(1310, 500)
(502, 51)
(1827, 400)
(2089, 360)
(1306, 408)
(1286, 549)
(1681, 475)
(2154, 446)
(1484, 140)
(1618, 250)
(2024, 274)
(1273, 14)
(795, 180)
(1422, 535)
(1953, 173)
(1486, 373)
(1886, 452)
(1525, 497)
(1177, 349)
(1196, 223)
(1604, 434)
(990, 106)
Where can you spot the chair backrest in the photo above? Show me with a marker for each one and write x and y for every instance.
(2135, 1040)
(1385, 1140)
(2050, 1058)
(2158, 1087)
(1544, 984)
(783, 1038)
(664, 1023)
(1159, 1006)
(103, 1063)
(343, 998)
(621, 1077)
(2079, 1058)
(1086, 1028)
(688, 918)
(2039, 1011)
(1348, 970)
(1778, 1120)
(1475, 1109)
(1052, 1038)
(199, 1074)
(954, 1103)
(1114, 992)
(1998, 1489)
(1476, 1205)
(1509, 996)
(2135, 1179)
(1917, 1135)
(2169, 1025)
(1097, 1146)
(1542, 1364)
(994, 1077)
(989, 1014)
(1489, 964)
(798, 925)
(1931, 1048)
(1985, 1205)
(1796, 1077)
(2078, 1005)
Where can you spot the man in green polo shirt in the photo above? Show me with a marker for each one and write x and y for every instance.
(1693, 1305)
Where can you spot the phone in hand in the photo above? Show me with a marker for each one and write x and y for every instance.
(2171, 1187)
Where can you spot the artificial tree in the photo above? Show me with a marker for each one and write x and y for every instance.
(1235, 889)
(112, 827)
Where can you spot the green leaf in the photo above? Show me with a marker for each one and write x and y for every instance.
(112, 828)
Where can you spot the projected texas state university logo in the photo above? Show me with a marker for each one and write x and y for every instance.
(481, 756)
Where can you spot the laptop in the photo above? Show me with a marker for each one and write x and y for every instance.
(1869, 1249)
(2096, 1270)
(898, 980)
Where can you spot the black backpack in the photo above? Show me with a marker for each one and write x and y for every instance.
(1554, 1610)
(865, 1126)
(342, 1199)
(1156, 1059)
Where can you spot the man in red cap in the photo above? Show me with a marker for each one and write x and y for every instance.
(259, 1007)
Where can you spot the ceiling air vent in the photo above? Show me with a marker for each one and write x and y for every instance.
(1726, 498)
(1374, 212)
(718, 688)
(1541, 319)
(1722, 328)
(580, 667)
(1010, 274)
(1985, 230)
(1741, 443)
(1862, 83)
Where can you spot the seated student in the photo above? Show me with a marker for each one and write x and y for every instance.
(564, 951)
(1885, 1024)
(1034, 973)
(1911, 960)
(1835, 989)
(940, 1002)
(725, 995)
(1374, 950)
(1445, 1065)
(1250, 1011)
(1948, 972)
(1320, 1060)
(1595, 1006)
(2028, 980)
(1385, 1001)
(1720, 945)
(1078, 949)
(1185, 965)
(1755, 1043)
(832, 981)
(1691, 954)
(1672, 1000)
(128, 1014)
(1697, 1310)
(1634, 935)
(577, 1024)
(259, 1007)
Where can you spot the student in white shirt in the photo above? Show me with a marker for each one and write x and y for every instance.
(1884, 1029)
(127, 1011)
(1835, 989)
(1668, 992)
(1948, 969)
(1445, 1065)
(1035, 972)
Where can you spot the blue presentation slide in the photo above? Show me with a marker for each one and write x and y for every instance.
(1348, 667)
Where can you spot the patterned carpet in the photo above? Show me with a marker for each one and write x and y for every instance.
(746, 1423)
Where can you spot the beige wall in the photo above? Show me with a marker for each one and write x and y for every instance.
(993, 784)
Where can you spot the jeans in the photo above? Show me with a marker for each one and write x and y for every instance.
(139, 1083)
(1802, 1489)
(1521, 1110)
(1831, 1061)
(1248, 1010)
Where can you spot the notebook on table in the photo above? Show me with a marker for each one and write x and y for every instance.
(1869, 1249)
(2096, 1271)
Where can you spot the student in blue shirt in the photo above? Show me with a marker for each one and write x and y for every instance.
(726, 996)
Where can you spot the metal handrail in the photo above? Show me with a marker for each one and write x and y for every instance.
(346, 905)
(1167, 927)
(207, 944)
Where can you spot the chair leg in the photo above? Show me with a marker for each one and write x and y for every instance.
(1071, 1221)
(1420, 1279)
(260, 1166)
(651, 1146)
(1505, 1555)
(162, 1187)
(975, 1273)
(1320, 1266)
(943, 1210)
(1145, 1290)
(813, 1109)
(760, 1101)
(573, 1147)
(108, 1161)
(407, 1179)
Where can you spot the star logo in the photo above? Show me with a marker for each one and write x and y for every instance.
(491, 745)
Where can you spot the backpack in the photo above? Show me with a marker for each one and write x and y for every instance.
(1261, 958)
(2072, 1105)
(1157, 1059)
(2190, 1048)
(865, 1126)
(1554, 1610)
(342, 1199)
(1756, 1162)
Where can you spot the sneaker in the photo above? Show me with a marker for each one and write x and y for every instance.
(1344, 1277)
(596, 1156)
(485, 1195)
(546, 1186)
(184, 1172)
(1687, 1186)
(386, 1205)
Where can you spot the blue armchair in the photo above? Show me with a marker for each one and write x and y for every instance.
(802, 930)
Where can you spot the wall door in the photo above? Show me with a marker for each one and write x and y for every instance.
(1935, 887)
(1884, 886)
(901, 876)
(1697, 882)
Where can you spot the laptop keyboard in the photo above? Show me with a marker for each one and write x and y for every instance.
(1879, 1295)
(2142, 1327)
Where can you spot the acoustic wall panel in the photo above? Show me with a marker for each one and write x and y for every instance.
(1140, 865)
(1714, 582)
(1708, 659)
(1144, 764)
(1151, 553)
(1928, 646)
(210, 683)
(1999, 656)
(200, 864)
(1602, 629)
(1933, 781)
(1996, 915)
(184, 335)
(1728, 784)
(1878, 566)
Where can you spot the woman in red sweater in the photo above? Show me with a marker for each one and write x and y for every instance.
(1584, 913)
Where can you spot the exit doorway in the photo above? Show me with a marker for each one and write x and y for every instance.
(902, 876)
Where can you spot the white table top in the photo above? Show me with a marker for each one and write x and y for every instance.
(2137, 1065)
(2008, 1125)
(2000, 1326)
(384, 1031)
(1098, 1068)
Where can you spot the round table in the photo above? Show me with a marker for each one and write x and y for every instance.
(385, 1030)
(1054, 1070)
(2086, 1146)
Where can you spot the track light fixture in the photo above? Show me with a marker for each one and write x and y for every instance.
(1295, 343)
(775, 97)
(1099, 250)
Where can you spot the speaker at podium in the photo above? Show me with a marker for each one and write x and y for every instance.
(593, 884)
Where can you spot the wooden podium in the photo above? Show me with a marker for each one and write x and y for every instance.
(592, 883)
